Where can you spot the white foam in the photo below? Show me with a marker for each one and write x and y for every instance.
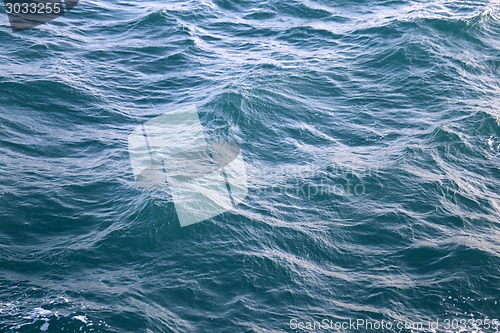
(45, 326)
(83, 319)
(39, 312)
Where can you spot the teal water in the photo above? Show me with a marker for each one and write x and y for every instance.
(371, 136)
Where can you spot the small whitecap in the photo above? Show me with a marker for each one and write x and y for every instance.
(44, 327)
(83, 319)
(490, 142)
(39, 312)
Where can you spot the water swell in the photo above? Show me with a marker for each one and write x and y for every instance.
(370, 133)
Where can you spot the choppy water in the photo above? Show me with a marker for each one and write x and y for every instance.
(371, 136)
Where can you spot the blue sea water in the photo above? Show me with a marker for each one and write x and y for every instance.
(370, 132)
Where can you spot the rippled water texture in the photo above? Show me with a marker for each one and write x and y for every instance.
(370, 132)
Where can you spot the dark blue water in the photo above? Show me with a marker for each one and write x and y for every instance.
(370, 132)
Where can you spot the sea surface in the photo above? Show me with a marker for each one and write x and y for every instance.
(370, 132)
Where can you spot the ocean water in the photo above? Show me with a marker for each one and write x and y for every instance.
(370, 132)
